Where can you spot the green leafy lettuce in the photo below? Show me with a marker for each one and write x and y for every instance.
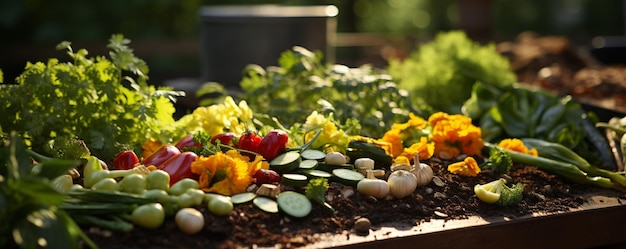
(441, 73)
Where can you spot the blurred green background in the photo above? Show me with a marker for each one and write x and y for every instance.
(166, 33)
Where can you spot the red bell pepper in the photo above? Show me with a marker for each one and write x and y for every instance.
(273, 144)
(126, 159)
(161, 155)
(179, 166)
(187, 141)
(249, 141)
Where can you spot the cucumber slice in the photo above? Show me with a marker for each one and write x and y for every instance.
(308, 164)
(312, 154)
(294, 180)
(266, 204)
(329, 167)
(314, 173)
(286, 162)
(294, 204)
(242, 197)
(347, 177)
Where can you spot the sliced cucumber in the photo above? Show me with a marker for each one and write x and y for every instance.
(294, 180)
(314, 173)
(294, 204)
(266, 204)
(312, 154)
(286, 162)
(308, 164)
(329, 167)
(242, 197)
(347, 177)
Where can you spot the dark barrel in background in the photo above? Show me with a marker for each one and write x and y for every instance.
(235, 36)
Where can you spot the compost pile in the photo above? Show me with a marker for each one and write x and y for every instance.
(248, 226)
(557, 64)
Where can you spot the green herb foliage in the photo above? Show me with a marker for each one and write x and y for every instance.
(29, 213)
(301, 84)
(94, 99)
(441, 73)
(316, 190)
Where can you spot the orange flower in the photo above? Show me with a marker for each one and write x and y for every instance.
(454, 134)
(515, 144)
(393, 138)
(403, 135)
(423, 148)
(226, 173)
(468, 167)
(150, 147)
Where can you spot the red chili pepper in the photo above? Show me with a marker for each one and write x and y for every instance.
(273, 144)
(249, 141)
(225, 139)
(161, 155)
(187, 141)
(263, 176)
(126, 159)
(179, 166)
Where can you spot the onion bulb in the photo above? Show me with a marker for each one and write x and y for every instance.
(423, 172)
(189, 220)
(402, 183)
(371, 186)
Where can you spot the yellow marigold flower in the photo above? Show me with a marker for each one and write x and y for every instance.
(454, 134)
(515, 144)
(150, 147)
(423, 148)
(468, 167)
(393, 138)
(225, 173)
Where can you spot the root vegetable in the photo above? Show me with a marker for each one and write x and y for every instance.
(189, 220)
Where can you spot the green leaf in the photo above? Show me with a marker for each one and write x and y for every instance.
(40, 191)
(43, 228)
(57, 167)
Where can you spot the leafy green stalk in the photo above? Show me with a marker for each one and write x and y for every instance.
(316, 191)
(301, 84)
(29, 203)
(105, 101)
(566, 170)
(561, 153)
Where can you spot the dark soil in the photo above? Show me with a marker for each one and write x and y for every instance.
(249, 227)
(558, 65)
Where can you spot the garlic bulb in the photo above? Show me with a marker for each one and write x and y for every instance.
(335, 158)
(402, 183)
(372, 186)
(423, 172)
(362, 165)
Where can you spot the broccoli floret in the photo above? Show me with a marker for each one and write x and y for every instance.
(511, 195)
(497, 192)
(499, 161)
